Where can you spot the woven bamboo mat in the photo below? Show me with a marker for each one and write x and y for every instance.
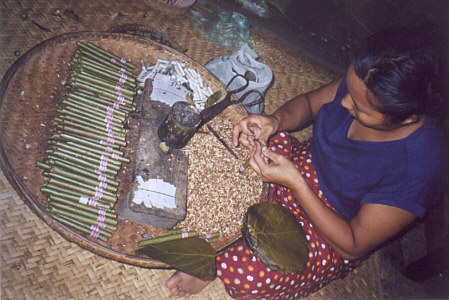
(37, 263)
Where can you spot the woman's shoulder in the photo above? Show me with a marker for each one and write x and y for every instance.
(428, 150)
(430, 136)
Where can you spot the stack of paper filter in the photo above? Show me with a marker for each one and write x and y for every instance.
(173, 82)
(155, 193)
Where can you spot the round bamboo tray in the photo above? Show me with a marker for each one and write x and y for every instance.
(29, 96)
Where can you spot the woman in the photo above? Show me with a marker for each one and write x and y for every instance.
(375, 164)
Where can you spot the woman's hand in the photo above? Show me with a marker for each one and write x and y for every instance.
(254, 128)
(273, 167)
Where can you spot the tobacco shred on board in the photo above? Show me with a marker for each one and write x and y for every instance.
(218, 193)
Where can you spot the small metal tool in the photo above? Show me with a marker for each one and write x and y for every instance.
(221, 141)
(214, 110)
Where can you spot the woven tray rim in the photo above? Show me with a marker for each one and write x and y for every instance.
(66, 232)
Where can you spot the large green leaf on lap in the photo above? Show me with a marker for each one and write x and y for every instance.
(192, 255)
(273, 233)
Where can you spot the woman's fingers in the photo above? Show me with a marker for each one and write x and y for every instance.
(253, 160)
(273, 156)
(244, 136)
(236, 134)
(260, 162)
(251, 129)
(241, 135)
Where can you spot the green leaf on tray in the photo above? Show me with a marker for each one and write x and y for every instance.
(273, 233)
(192, 255)
(215, 97)
(189, 98)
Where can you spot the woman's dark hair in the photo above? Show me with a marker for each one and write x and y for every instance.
(404, 70)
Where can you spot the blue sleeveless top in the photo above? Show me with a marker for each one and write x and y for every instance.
(407, 173)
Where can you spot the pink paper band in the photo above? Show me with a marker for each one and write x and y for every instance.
(98, 192)
(103, 167)
(94, 233)
(93, 201)
(109, 126)
(100, 218)
(108, 118)
(103, 163)
(104, 159)
(108, 149)
(100, 169)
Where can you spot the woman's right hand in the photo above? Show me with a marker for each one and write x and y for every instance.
(254, 128)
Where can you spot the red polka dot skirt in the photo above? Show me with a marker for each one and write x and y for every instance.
(246, 277)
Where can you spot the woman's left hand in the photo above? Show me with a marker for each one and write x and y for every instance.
(273, 167)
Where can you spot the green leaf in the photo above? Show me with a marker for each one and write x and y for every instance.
(189, 98)
(273, 233)
(192, 255)
(214, 97)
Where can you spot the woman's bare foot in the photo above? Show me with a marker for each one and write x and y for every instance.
(184, 285)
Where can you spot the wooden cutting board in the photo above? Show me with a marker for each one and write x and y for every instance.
(153, 163)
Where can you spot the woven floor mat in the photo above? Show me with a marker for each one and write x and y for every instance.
(37, 263)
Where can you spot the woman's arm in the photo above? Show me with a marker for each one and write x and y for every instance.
(300, 111)
(373, 224)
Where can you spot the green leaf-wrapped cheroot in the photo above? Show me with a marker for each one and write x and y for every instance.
(192, 255)
(273, 233)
